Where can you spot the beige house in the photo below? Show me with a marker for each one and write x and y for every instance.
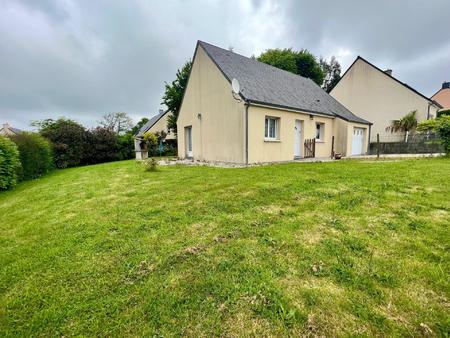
(277, 115)
(7, 130)
(379, 97)
(443, 96)
(157, 124)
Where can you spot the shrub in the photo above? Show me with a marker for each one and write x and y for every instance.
(100, 145)
(441, 126)
(35, 155)
(445, 112)
(67, 138)
(126, 146)
(151, 139)
(9, 163)
(150, 164)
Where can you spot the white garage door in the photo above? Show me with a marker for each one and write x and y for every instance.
(358, 141)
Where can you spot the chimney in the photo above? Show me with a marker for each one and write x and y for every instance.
(388, 72)
(446, 85)
(161, 111)
(6, 124)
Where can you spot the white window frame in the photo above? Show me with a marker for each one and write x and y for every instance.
(321, 137)
(268, 135)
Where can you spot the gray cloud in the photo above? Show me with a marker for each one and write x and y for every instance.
(82, 59)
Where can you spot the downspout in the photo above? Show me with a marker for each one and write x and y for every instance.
(428, 113)
(247, 105)
(368, 139)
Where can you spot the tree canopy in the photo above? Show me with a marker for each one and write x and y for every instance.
(139, 125)
(173, 95)
(406, 123)
(117, 122)
(304, 63)
(301, 62)
(332, 71)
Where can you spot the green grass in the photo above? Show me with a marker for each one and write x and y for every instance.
(333, 249)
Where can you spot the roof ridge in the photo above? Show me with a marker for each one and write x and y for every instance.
(256, 60)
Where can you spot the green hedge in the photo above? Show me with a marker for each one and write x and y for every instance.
(35, 155)
(445, 112)
(9, 163)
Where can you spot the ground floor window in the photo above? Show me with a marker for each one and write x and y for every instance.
(320, 131)
(271, 128)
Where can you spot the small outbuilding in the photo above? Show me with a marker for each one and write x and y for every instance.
(157, 124)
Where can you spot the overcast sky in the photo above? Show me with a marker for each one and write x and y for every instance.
(84, 58)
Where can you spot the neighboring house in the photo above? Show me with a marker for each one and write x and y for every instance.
(443, 96)
(156, 124)
(379, 97)
(7, 130)
(276, 116)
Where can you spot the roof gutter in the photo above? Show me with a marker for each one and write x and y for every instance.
(257, 104)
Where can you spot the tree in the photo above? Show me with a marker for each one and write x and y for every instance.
(173, 95)
(406, 124)
(301, 62)
(280, 58)
(9, 163)
(101, 145)
(67, 138)
(36, 156)
(118, 122)
(126, 146)
(139, 125)
(332, 71)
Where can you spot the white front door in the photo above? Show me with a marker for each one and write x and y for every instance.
(358, 141)
(298, 139)
(188, 136)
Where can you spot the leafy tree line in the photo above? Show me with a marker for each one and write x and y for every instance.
(65, 143)
(73, 144)
(323, 72)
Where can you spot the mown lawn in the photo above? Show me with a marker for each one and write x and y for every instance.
(334, 249)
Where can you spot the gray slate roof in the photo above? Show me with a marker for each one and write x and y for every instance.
(150, 123)
(265, 84)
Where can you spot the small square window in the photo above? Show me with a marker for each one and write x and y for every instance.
(320, 127)
(271, 128)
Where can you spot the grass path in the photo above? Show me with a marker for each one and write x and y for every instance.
(342, 248)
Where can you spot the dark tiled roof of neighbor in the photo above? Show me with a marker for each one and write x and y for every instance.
(265, 84)
(150, 123)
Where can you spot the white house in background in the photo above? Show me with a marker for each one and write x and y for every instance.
(7, 130)
(156, 124)
(377, 96)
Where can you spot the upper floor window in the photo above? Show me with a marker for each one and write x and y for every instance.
(271, 128)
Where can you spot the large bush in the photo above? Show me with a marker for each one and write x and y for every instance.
(441, 126)
(100, 146)
(126, 146)
(444, 112)
(67, 138)
(9, 163)
(35, 155)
